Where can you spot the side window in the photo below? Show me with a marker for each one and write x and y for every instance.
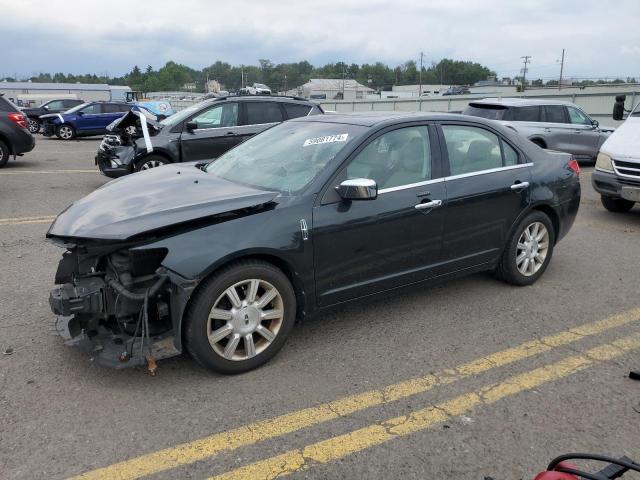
(71, 103)
(55, 105)
(554, 114)
(218, 116)
(525, 114)
(471, 149)
(263, 112)
(111, 108)
(295, 110)
(92, 109)
(577, 117)
(399, 157)
(509, 154)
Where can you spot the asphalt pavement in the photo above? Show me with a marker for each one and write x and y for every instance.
(471, 379)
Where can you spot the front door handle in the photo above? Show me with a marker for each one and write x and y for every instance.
(231, 134)
(431, 204)
(519, 186)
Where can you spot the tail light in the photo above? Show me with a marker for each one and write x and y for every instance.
(573, 165)
(19, 119)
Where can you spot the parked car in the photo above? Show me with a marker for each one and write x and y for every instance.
(15, 138)
(52, 106)
(201, 132)
(456, 91)
(220, 260)
(84, 120)
(551, 124)
(617, 174)
(255, 89)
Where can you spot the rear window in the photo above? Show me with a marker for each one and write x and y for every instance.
(7, 106)
(492, 112)
(295, 110)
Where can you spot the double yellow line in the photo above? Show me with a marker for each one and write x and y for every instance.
(342, 445)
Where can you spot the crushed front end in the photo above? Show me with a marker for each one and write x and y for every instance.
(118, 303)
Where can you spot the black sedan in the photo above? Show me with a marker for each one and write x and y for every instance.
(221, 259)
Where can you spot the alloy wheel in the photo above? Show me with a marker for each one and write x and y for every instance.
(33, 126)
(532, 249)
(151, 164)
(245, 319)
(65, 132)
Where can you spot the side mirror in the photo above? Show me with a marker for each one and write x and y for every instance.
(595, 123)
(191, 126)
(80, 113)
(46, 107)
(358, 189)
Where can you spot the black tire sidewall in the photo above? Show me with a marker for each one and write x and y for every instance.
(508, 269)
(195, 330)
(616, 205)
(143, 160)
(5, 153)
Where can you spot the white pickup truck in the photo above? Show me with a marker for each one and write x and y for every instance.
(617, 174)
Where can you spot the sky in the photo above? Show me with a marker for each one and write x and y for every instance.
(602, 39)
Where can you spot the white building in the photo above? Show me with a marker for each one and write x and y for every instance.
(35, 93)
(332, 89)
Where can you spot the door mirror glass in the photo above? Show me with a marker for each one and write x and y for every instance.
(190, 126)
(358, 189)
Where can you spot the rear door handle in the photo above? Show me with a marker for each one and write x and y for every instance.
(520, 186)
(431, 204)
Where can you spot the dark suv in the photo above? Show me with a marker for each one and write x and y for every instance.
(52, 106)
(84, 120)
(203, 131)
(15, 138)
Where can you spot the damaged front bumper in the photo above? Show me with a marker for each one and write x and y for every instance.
(115, 311)
(113, 159)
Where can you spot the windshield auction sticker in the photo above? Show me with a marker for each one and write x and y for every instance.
(327, 139)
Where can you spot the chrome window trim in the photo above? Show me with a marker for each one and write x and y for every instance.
(410, 185)
(237, 126)
(454, 177)
(491, 170)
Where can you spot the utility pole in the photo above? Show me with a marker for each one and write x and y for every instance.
(526, 60)
(344, 73)
(420, 76)
(561, 68)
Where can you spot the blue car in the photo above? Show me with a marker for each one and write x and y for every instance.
(84, 120)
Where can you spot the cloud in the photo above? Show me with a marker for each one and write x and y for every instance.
(78, 36)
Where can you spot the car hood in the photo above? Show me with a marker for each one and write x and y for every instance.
(624, 142)
(152, 200)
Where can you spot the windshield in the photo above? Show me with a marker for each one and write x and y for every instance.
(491, 112)
(287, 157)
(260, 85)
(182, 115)
(636, 110)
(77, 107)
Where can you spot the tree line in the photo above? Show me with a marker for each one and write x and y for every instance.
(282, 76)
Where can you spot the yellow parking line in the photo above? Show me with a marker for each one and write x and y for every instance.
(290, 422)
(48, 172)
(26, 220)
(341, 446)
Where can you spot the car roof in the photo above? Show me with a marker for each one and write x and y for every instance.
(262, 98)
(370, 119)
(518, 102)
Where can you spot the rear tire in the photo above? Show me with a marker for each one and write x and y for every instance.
(65, 132)
(617, 205)
(4, 154)
(149, 162)
(233, 335)
(528, 251)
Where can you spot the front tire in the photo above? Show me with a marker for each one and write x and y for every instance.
(4, 154)
(240, 317)
(65, 132)
(34, 126)
(528, 251)
(149, 162)
(617, 205)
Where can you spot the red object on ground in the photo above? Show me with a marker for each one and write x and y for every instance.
(547, 475)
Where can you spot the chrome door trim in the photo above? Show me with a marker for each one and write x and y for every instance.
(491, 170)
(409, 185)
